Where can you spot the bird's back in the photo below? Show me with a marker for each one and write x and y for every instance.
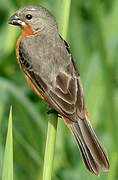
(46, 53)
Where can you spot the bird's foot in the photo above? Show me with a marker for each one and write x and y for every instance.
(52, 111)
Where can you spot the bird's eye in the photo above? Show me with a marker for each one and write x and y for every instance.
(28, 16)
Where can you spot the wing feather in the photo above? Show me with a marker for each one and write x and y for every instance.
(63, 87)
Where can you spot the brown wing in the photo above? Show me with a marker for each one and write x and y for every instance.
(64, 93)
(67, 93)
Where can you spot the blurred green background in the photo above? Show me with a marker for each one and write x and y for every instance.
(93, 38)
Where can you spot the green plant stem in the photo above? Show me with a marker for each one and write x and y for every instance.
(50, 146)
(8, 155)
(53, 118)
(65, 12)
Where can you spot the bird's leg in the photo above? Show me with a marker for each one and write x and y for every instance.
(52, 111)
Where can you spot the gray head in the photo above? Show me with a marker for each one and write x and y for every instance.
(35, 16)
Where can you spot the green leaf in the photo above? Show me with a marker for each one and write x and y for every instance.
(8, 156)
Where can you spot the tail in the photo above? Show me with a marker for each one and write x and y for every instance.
(92, 152)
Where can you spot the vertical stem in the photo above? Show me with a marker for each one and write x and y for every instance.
(8, 155)
(65, 12)
(50, 146)
(53, 118)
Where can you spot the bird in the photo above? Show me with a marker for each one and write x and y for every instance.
(46, 61)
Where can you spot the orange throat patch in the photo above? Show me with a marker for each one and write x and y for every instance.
(26, 31)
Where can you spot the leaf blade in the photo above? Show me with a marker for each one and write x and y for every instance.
(7, 173)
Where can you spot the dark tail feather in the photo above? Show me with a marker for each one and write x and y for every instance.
(92, 152)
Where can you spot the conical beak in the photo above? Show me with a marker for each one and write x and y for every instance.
(15, 20)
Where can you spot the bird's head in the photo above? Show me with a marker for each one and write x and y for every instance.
(34, 17)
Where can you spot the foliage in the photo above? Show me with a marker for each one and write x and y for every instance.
(7, 172)
(93, 38)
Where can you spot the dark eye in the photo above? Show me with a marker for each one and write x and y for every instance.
(28, 16)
